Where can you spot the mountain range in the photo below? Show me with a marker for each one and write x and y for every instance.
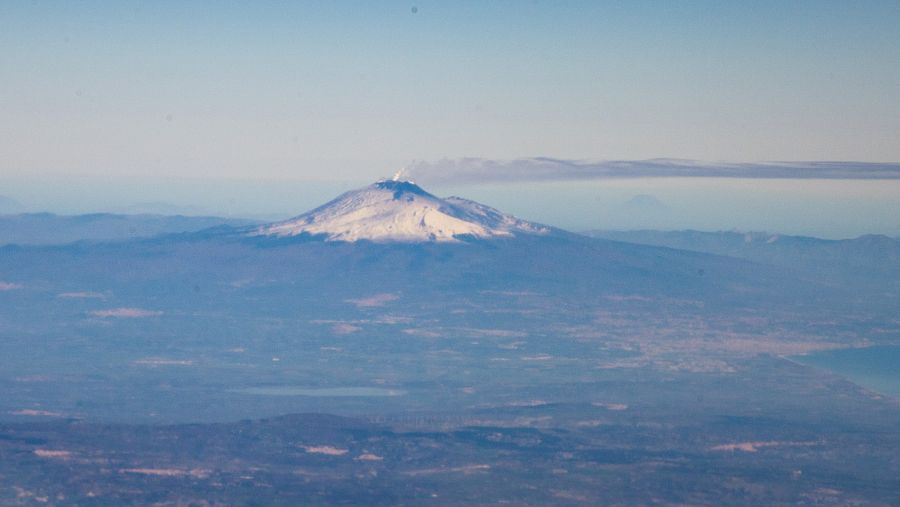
(866, 262)
(395, 235)
(52, 229)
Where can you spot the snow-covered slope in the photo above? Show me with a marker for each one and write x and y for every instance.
(395, 210)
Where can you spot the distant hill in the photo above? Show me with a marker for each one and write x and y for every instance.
(48, 229)
(866, 259)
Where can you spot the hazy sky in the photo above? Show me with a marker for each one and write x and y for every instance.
(349, 90)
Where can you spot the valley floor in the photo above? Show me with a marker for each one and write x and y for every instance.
(772, 433)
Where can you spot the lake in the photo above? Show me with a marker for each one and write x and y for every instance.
(320, 392)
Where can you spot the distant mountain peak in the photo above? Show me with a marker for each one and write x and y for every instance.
(398, 210)
(9, 205)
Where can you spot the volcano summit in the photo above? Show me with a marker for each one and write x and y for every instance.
(400, 211)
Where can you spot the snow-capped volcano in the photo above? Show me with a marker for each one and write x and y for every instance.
(397, 210)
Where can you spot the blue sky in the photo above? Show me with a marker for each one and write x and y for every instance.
(290, 89)
(349, 91)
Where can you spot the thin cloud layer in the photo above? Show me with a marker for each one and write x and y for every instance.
(477, 170)
(374, 301)
(81, 295)
(125, 313)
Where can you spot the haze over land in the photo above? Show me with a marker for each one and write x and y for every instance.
(633, 253)
(456, 358)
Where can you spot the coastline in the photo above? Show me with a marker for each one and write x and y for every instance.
(845, 363)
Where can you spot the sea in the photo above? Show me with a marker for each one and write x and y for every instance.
(875, 368)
